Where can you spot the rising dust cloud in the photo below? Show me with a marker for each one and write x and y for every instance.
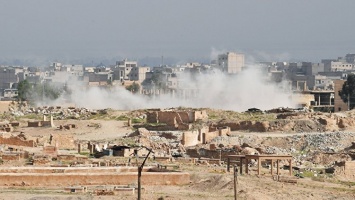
(249, 89)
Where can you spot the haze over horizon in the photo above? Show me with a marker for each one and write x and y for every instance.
(86, 31)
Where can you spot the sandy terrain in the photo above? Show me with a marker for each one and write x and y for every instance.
(85, 129)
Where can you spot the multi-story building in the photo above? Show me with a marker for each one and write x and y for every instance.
(231, 62)
(340, 64)
(129, 70)
(8, 77)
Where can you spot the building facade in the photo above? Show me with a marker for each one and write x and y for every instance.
(231, 62)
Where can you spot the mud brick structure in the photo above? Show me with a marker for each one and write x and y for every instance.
(40, 160)
(63, 141)
(67, 176)
(203, 135)
(43, 123)
(69, 157)
(14, 154)
(15, 124)
(34, 124)
(10, 156)
(50, 150)
(181, 120)
(18, 141)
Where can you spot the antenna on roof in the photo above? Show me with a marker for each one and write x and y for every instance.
(162, 60)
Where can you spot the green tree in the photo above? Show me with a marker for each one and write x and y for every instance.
(134, 88)
(24, 89)
(347, 93)
(46, 90)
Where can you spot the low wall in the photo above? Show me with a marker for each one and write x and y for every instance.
(85, 176)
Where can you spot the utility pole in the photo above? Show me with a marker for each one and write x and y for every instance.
(235, 174)
(140, 169)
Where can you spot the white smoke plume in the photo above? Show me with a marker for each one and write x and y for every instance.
(249, 89)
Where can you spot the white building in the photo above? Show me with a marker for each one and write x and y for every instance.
(230, 62)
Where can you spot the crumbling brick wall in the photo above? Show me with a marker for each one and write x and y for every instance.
(69, 157)
(207, 137)
(35, 124)
(200, 115)
(152, 117)
(63, 141)
(169, 117)
(247, 125)
(50, 150)
(190, 138)
(14, 140)
(9, 157)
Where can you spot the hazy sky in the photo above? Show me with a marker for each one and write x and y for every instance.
(183, 30)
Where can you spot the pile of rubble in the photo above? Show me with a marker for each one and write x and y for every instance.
(58, 112)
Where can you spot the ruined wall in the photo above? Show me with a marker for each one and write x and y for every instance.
(190, 138)
(207, 137)
(9, 157)
(248, 125)
(65, 179)
(202, 136)
(13, 140)
(200, 115)
(69, 157)
(63, 141)
(224, 131)
(169, 117)
(152, 117)
(34, 124)
(50, 150)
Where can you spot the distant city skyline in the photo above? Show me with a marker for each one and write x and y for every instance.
(86, 31)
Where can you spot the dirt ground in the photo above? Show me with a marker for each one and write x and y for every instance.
(207, 182)
(85, 129)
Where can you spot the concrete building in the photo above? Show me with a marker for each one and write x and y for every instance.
(8, 77)
(340, 64)
(98, 79)
(129, 71)
(10, 93)
(123, 69)
(231, 62)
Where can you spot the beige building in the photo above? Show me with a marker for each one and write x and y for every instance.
(340, 66)
(129, 70)
(231, 62)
